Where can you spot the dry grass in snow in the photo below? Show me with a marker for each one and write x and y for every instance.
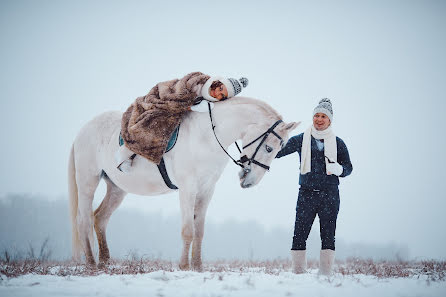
(433, 270)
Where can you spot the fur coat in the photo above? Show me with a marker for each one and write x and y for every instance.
(149, 122)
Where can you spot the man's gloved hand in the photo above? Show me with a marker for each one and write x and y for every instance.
(334, 168)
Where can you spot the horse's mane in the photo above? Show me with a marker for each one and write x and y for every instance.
(259, 104)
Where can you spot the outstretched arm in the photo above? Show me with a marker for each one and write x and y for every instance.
(291, 147)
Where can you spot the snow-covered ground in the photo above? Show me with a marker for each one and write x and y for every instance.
(252, 282)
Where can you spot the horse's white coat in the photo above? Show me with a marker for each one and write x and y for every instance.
(194, 165)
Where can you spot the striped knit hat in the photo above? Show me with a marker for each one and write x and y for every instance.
(234, 86)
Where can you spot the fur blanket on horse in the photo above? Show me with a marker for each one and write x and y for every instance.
(149, 122)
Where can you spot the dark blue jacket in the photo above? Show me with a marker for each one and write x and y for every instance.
(317, 178)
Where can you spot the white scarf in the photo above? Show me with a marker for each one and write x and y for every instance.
(330, 149)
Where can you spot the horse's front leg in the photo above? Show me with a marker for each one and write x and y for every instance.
(201, 204)
(187, 203)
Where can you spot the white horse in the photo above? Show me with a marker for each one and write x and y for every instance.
(194, 166)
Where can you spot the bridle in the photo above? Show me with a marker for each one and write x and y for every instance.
(243, 159)
(265, 135)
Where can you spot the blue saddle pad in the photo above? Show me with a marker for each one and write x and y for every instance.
(173, 139)
(170, 144)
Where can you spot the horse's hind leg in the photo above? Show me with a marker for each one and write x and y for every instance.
(111, 202)
(87, 185)
(187, 202)
(201, 204)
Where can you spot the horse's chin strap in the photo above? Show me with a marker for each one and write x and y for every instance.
(244, 158)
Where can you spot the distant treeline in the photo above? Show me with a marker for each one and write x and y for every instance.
(29, 223)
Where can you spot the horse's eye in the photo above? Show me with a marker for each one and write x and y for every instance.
(268, 148)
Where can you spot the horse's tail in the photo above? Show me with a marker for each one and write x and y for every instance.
(73, 196)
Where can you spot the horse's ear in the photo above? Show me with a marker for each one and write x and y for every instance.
(291, 126)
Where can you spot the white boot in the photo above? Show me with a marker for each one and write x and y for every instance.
(299, 261)
(122, 157)
(326, 262)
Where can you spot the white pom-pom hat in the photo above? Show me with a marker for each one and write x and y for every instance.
(233, 86)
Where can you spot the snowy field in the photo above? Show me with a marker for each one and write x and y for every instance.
(363, 278)
(252, 283)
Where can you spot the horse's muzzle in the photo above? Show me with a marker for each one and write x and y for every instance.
(245, 185)
(243, 174)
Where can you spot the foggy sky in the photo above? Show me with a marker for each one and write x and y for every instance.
(381, 63)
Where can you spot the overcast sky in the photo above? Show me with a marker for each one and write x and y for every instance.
(382, 63)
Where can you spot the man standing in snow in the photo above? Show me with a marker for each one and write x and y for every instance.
(323, 159)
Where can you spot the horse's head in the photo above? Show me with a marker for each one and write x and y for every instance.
(261, 143)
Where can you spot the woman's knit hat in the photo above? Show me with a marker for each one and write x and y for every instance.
(324, 107)
(233, 86)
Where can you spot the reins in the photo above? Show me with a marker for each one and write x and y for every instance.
(244, 158)
(213, 130)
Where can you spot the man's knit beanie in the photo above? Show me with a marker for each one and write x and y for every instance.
(325, 107)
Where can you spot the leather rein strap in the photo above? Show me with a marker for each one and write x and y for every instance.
(213, 129)
(244, 158)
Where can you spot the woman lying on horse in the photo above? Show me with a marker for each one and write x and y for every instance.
(150, 121)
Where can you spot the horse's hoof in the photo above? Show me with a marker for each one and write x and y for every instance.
(197, 268)
(91, 266)
(102, 265)
(184, 266)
